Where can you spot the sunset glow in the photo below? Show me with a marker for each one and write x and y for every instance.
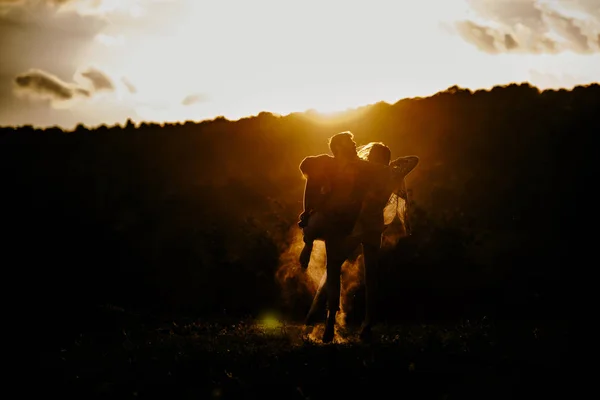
(176, 60)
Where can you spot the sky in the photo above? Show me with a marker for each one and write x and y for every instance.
(65, 62)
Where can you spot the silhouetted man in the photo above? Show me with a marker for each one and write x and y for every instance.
(333, 199)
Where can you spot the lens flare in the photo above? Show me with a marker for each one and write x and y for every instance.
(270, 322)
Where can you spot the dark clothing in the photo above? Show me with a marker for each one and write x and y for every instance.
(334, 200)
(336, 190)
(378, 186)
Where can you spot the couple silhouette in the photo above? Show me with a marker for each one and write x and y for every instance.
(350, 198)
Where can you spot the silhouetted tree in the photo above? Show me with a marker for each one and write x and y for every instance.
(194, 215)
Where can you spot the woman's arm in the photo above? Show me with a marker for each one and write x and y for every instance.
(313, 169)
(403, 165)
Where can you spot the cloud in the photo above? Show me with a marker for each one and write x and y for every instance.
(11, 3)
(41, 85)
(43, 17)
(129, 86)
(101, 7)
(193, 99)
(546, 80)
(8, 5)
(99, 80)
(510, 12)
(533, 26)
(109, 40)
(510, 42)
(571, 30)
(135, 8)
(481, 36)
(589, 7)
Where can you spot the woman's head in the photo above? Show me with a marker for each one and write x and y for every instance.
(343, 145)
(376, 152)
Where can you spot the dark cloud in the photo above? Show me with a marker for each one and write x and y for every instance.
(525, 26)
(100, 81)
(42, 85)
(62, 97)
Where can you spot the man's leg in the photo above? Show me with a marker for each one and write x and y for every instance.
(335, 258)
(320, 299)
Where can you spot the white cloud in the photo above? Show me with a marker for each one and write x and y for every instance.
(109, 40)
(533, 26)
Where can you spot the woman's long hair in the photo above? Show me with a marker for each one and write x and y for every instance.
(395, 213)
(375, 151)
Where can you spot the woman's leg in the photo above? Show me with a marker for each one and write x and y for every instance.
(319, 301)
(371, 261)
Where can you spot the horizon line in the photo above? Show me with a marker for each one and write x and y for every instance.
(307, 112)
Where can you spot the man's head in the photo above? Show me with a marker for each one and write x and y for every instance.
(342, 145)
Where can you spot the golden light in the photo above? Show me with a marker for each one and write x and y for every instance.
(258, 56)
(247, 57)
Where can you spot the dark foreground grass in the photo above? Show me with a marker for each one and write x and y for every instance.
(123, 355)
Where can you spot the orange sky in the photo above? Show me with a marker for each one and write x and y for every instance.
(103, 61)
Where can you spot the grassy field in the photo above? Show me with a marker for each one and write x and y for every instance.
(126, 355)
